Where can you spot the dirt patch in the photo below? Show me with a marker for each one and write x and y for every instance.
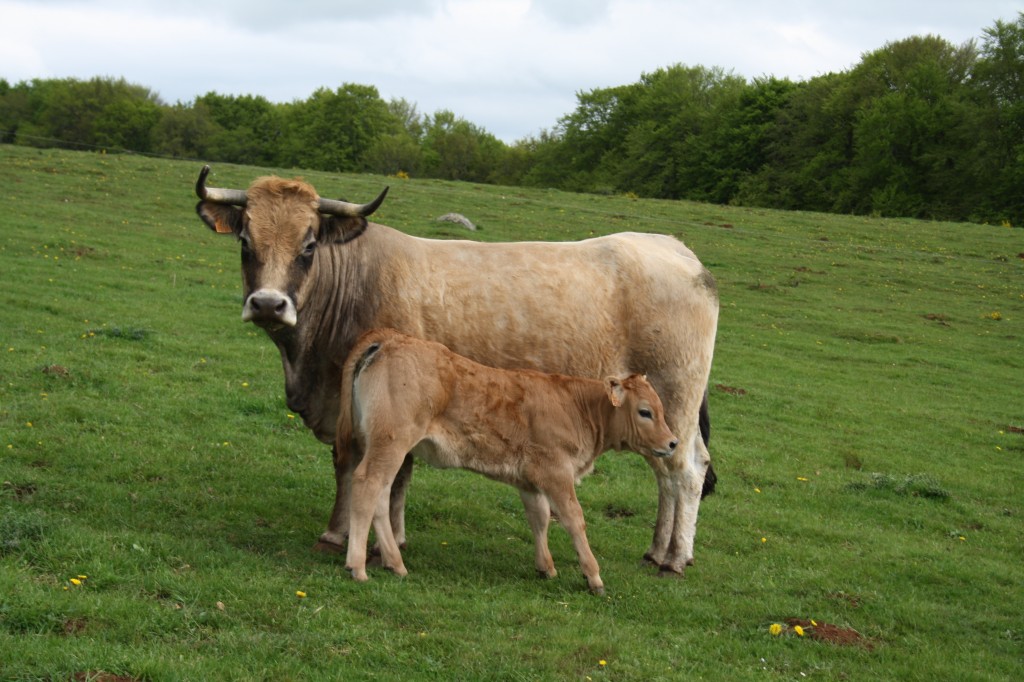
(21, 491)
(938, 317)
(56, 371)
(100, 676)
(832, 634)
(853, 600)
(1015, 429)
(73, 626)
(616, 512)
(731, 390)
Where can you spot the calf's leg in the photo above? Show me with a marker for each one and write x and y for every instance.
(390, 555)
(538, 514)
(398, 490)
(345, 461)
(370, 480)
(570, 514)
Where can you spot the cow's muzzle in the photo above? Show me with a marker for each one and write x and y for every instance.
(269, 308)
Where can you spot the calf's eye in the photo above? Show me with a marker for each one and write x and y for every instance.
(646, 414)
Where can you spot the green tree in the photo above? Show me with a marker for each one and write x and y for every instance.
(186, 131)
(240, 129)
(1000, 80)
(101, 112)
(335, 129)
(455, 149)
(913, 131)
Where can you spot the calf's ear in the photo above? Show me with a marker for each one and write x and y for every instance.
(220, 218)
(616, 392)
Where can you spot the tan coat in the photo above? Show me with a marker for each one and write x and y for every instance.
(537, 432)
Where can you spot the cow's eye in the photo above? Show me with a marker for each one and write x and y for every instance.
(307, 251)
(646, 414)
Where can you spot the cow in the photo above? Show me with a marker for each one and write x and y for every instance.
(539, 433)
(316, 274)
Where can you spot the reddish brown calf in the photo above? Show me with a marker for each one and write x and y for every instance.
(537, 432)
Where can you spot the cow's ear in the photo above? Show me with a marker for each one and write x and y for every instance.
(220, 218)
(616, 392)
(340, 229)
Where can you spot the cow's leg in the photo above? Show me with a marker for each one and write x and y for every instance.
(680, 479)
(570, 514)
(333, 539)
(538, 514)
(667, 499)
(369, 482)
(398, 490)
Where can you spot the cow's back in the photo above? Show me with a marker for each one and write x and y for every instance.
(608, 305)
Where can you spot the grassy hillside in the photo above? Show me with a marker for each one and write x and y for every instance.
(867, 412)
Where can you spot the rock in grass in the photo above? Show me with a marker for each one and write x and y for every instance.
(457, 218)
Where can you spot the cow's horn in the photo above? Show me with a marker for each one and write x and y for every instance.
(236, 197)
(345, 209)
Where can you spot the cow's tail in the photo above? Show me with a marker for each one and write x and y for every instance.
(710, 478)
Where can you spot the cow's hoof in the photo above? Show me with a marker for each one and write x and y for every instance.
(669, 571)
(547, 575)
(597, 591)
(328, 547)
(651, 560)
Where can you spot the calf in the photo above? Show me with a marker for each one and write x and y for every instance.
(537, 432)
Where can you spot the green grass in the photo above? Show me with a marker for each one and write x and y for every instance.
(866, 407)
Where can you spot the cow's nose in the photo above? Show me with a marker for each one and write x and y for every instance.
(268, 306)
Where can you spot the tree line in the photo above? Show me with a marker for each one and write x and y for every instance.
(918, 128)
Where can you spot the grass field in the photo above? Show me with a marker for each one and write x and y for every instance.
(867, 407)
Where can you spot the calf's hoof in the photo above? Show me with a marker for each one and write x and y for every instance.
(400, 571)
(597, 590)
(546, 574)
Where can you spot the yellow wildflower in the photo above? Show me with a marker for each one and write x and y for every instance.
(76, 582)
(798, 630)
(802, 478)
(300, 594)
(602, 662)
(775, 629)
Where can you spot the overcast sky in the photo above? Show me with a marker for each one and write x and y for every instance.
(512, 67)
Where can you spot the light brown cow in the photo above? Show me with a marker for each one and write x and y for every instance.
(317, 274)
(537, 432)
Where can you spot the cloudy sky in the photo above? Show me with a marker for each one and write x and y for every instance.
(512, 67)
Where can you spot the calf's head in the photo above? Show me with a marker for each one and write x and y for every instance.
(639, 417)
(280, 224)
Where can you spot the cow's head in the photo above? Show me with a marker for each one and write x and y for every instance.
(640, 416)
(281, 224)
